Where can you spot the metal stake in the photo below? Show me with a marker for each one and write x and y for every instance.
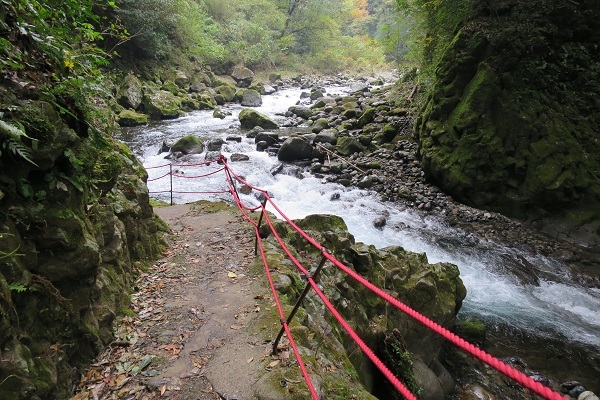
(171, 178)
(314, 276)
(264, 204)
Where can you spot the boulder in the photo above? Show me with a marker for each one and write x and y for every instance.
(434, 289)
(294, 149)
(348, 145)
(301, 111)
(215, 145)
(251, 98)
(179, 78)
(161, 104)
(367, 116)
(243, 76)
(189, 144)
(227, 91)
(251, 118)
(268, 137)
(130, 94)
(327, 136)
(132, 118)
(320, 124)
(236, 157)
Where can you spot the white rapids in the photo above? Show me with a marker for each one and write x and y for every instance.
(552, 308)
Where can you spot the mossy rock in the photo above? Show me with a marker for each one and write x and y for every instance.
(227, 91)
(367, 117)
(189, 144)
(162, 105)
(132, 118)
(250, 119)
(347, 145)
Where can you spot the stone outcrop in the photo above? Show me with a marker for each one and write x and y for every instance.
(509, 126)
(130, 94)
(75, 224)
(243, 76)
(435, 290)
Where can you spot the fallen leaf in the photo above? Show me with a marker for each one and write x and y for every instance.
(163, 389)
(232, 275)
(174, 348)
(249, 360)
(236, 327)
(275, 363)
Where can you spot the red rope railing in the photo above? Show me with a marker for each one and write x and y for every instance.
(488, 359)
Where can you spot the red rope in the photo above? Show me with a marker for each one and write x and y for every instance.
(198, 176)
(311, 388)
(368, 352)
(507, 370)
(160, 177)
(500, 366)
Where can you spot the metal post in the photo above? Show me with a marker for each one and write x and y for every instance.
(171, 178)
(314, 276)
(264, 204)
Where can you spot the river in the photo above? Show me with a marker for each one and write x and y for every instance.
(553, 311)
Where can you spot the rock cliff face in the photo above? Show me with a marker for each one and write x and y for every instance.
(511, 123)
(75, 225)
(435, 290)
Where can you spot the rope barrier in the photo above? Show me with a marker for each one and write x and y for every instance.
(481, 355)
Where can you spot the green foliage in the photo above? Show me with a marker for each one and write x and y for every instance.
(430, 25)
(11, 139)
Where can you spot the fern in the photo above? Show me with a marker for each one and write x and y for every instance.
(12, 141)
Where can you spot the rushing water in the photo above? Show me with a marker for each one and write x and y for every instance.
(547, 307)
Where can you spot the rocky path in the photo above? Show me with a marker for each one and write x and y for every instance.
(201, 322)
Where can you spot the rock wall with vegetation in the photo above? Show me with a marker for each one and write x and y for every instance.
(75, 226)
(511, 123)
(409, 350)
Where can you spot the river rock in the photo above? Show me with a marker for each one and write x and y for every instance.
(474, 392)
(227, 91)
(428, 380)
(301, 111)
(294, 149)
(347, 145)
(269, 137)
(251, 98)
(161, 104)
(320, 124)
(215, 145)
(243, 76)
(239, 157)
(132, 118)
(251, 118)
(179, 78)
(212, 155)
(327, 136)
(130, 94)
(189, 144)
(380, 222)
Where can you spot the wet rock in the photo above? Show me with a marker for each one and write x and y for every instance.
(262, 145)
(212, 155)
(189, 144)
(366, 183)
(237, 139)
(301, 111)
(227, 91)
(320, 124)
(474, 392)
(276, 169)
(251, 98)
(250, 119)
(335, 196)
(380, 222)
(236, 157)
(269, 137)
(245, 189)
(215, 145)
(219, 114)
(472, 330)
(295, 148)
(327, 136)
(255, 131)
(428, 380)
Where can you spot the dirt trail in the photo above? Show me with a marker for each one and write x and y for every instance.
(199, 329)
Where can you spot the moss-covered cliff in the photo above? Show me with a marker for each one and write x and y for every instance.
(75, 221)
(512, 121)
